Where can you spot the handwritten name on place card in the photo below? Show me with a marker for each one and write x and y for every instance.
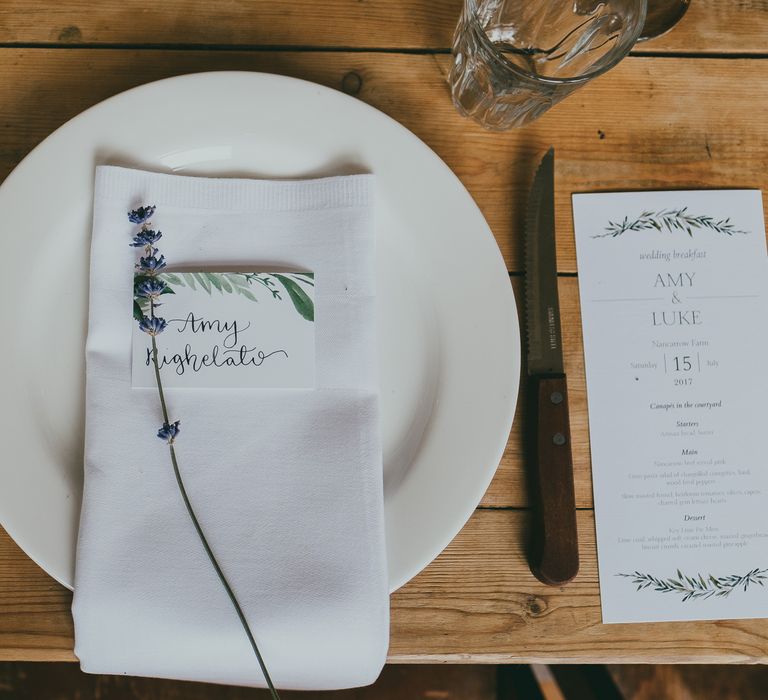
(243, 330)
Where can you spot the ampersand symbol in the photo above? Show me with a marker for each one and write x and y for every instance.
(675, 298)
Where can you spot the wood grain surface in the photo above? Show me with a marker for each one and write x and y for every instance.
(687, 110)
(477, 601)
(651, 123)
(710, 26)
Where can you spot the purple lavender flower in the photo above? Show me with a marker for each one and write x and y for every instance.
(151, 288)
(142, 214)
(146, 237)
(153, 325)
(151, 265)
(169, 432)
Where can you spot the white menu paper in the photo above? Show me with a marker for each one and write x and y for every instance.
(674, 300)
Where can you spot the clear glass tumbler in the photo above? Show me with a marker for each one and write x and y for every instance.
(514, 59)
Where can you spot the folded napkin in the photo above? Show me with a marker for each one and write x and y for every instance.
(286, 483)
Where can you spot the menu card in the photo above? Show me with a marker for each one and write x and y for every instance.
(674, 299)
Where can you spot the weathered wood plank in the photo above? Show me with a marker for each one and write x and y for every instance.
(35, 619)
(650, 124)
(478, 602)
(711, 26)
(480, 595)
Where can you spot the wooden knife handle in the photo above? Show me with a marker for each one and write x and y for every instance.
(555, 550)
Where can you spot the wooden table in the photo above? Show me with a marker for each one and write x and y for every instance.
(687, 110)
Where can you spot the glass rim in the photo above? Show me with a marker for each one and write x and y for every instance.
(472, 6)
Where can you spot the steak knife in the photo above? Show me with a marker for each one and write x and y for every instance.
(554, 547)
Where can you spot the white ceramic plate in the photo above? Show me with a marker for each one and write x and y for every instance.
(449, 338)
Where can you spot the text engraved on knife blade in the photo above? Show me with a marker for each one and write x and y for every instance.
(552, 328)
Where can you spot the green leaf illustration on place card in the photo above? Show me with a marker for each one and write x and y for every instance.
(670, 220)
(301, 302)
(172, 279)
(246, 283)
(697, 586)
(204, 283)
(237, 279)
(236, 282)
(306, 277)
(213, 279)
(247, 294)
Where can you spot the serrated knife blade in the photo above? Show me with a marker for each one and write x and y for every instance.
(542, 307)
(554, 555)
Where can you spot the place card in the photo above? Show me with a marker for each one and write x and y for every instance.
(674, 300)
(234, 330)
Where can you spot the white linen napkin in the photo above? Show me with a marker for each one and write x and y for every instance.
(287, 484)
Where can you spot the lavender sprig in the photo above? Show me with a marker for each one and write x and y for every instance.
(147, 290)
(151, 265)
(169, 432)
(152, 325)
(146, 238)
(150, 288)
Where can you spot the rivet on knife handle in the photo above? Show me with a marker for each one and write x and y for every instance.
(555, 551)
